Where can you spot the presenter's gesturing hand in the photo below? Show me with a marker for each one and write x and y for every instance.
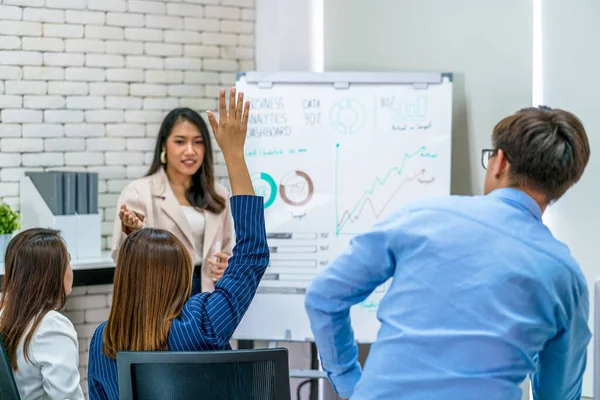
(130, 219)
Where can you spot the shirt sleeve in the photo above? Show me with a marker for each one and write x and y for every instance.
(228, 234)
(367, 263)
(562, 362)
(208, 320)
(95, 389)
(54, 350)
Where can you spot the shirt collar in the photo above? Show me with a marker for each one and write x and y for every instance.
(519, 199)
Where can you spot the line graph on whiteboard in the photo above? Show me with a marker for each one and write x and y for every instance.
(379, 197)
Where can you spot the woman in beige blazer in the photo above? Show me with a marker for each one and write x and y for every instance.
(180, 194)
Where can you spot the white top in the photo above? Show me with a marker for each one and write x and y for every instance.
(53, 370)
(197, 222)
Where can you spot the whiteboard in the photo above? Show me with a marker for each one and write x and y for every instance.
(332, 154)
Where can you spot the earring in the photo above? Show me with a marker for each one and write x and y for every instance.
(163, 157)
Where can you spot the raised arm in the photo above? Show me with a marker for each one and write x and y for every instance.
(216, 315)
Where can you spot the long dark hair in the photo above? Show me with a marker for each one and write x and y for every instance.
(153, 280)
(35, 265)
(202, 193)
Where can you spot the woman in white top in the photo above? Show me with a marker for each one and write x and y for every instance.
(180, 195)
(41, 343)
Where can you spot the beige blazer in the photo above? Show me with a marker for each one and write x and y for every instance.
(153, 199)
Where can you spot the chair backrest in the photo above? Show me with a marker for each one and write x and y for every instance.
(597, 340)
(207, 375)
(8, 387)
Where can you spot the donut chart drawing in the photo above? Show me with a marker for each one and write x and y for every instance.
(265, 186)
(347, 116)
(296, 188)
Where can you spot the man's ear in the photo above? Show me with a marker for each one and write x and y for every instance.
(499, 164)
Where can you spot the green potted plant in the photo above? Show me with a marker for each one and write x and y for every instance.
(9, 223)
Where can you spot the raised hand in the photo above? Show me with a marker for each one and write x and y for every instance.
(230, 130)
(230, 133)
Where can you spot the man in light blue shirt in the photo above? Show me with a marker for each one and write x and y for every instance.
(482, 294)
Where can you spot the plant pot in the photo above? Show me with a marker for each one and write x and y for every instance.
(4, 239)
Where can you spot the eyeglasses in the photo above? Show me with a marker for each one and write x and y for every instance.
(486, 154)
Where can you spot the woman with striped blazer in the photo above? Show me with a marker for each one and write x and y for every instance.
(152, 308)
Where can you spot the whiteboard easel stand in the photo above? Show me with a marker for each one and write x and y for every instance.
(301, 373)
(304, 373)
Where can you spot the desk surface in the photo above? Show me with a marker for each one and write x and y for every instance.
(105, 261)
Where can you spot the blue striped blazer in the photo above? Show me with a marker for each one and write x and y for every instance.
(208, 320)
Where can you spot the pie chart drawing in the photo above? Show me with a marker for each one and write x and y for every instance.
(347, 116)
(296, 188)
(265, 186)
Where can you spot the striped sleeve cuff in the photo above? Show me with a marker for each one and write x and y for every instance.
(248, 213)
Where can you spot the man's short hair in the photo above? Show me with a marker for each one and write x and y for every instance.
(547, 149)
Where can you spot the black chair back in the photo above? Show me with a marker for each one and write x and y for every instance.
(207, 375)
(8, 387)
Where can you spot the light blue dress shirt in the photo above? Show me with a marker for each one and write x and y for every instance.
(482, 295)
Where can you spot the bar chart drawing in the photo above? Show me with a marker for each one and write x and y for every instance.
(294, 262)
(292, 235)
(291, 263)
(293, 249)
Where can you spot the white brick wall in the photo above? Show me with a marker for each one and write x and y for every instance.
(19, 28)
(85, 45)
(11, 101)
(44, 73)
(44, 102)
(10, 73)
(43, 44)
(85, 84)
(63, 30)
(11, 13)
(19, 57)
(43, 15)
(148, 7)
(63, 59)
(85, 17)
